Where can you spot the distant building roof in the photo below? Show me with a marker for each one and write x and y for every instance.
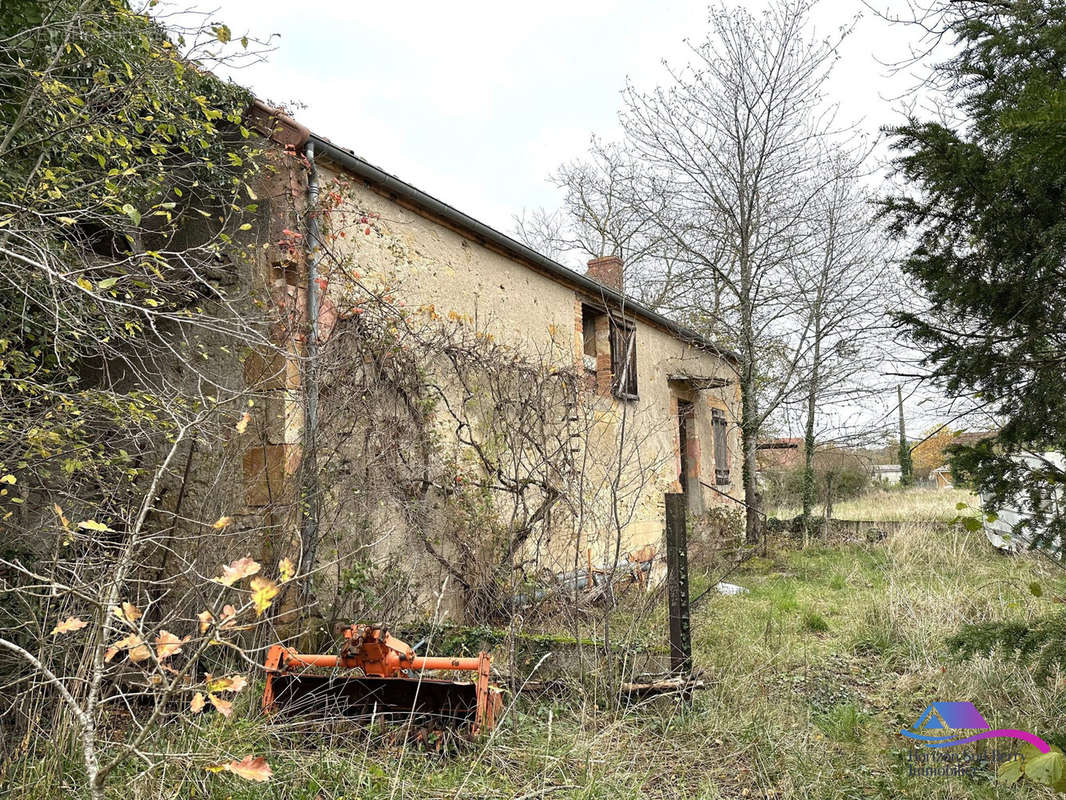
(780, 444)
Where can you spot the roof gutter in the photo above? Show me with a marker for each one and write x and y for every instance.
(288, 132)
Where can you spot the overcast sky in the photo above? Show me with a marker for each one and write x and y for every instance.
(475, 102)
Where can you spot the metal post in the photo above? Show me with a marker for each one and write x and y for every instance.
(677, 582)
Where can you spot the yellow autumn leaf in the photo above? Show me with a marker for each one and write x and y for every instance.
(241, 568)
(69, 625)
(264, 591)
(286, 570)
(84, 284)
(222, 523)
(196, 705)
(93, 525)
(232, 683)
(242, 423)
(8, 479)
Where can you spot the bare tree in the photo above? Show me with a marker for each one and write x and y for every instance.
(840, 285)
(735, 141)
(602, 215)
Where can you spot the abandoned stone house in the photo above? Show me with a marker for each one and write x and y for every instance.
(637, 373)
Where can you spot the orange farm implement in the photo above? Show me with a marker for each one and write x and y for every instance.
(376, 675)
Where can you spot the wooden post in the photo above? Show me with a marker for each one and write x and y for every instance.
(677, 583)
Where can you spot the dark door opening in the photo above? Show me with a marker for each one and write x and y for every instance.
(685, 411)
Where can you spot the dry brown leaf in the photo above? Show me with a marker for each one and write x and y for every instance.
(264, 591)
(167, 644)
(196, 705)
(131, 612)
(251, 768)
(224, 707)
(222, 523)
(242, 423)
(206, 618)
(229, 616)
(62, 519)
(140, 652)
(241, 568)
(133, 640)
(69, 625)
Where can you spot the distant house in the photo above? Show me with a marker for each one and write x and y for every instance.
(943, 477)
(780, 453)
(887, 473)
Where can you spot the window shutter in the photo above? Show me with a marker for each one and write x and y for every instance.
(721, 450)
(623, 360)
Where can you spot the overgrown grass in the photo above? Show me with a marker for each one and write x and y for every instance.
(810, 676)
(897, 505)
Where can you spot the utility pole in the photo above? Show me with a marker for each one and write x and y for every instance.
(906, 466)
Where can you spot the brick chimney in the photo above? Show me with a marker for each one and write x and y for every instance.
(608, 271)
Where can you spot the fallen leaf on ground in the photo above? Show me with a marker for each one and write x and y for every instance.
(250, 768)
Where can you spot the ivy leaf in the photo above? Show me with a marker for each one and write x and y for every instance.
(264, 591)
(241, 568)
(1010, 772)
(69, 625)
(132, 213)
(1047, 768)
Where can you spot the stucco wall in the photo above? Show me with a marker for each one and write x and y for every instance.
(442, 269)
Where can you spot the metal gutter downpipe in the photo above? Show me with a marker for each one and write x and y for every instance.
(309, 465)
